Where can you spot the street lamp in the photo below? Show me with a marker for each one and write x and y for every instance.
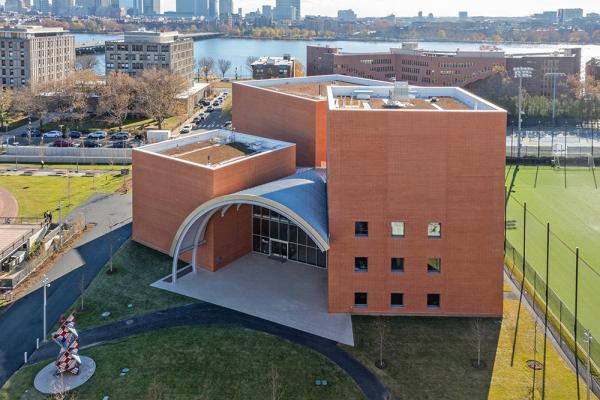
(46, 285)
(588, 340)
(554, 76)
(521, 73)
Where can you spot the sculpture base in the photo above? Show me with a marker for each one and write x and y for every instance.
(47, 382)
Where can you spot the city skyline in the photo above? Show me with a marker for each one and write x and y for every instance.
(378, 8)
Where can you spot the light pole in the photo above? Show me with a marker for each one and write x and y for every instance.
(520, 73)
(588, 340)
(554, 76)
(46, 285)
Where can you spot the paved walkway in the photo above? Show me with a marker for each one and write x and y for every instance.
(21, 322)
(289, 293)
(8, 204)
(205, 314)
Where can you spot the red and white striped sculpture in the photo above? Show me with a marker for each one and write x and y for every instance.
(67, 338)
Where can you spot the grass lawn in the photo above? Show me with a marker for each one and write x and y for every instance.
(430, 358)
(36, 194)
(138, 266)
(97, 124)
(574, 217)
(201, 363)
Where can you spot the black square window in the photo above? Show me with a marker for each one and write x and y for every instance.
(361, 228)
(434, 265)
(361, 264)
(397, 264)
(360, 299)
(433, 300)
(397, 300)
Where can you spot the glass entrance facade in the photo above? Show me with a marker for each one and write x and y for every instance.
(275, 235)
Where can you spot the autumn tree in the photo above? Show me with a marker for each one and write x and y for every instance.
(117, 98)
(206, 66)
(33, 101)
(70, 96)
(299, 69)
(224, 66)
(157, 90)
(6, 105)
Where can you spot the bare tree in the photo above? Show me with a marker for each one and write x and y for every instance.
(86, 61)
(249, 61)
(33, 101)
(70, 95)
(6, 105)
(117, 98)
(206, 66)
(478, 330)
(157, 92)
(382, 325)
(276, 388)
(224, 66)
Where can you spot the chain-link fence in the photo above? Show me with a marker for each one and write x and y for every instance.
(532, 249)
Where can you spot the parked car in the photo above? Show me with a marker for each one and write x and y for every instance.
(91, 142)
(203, 117)
(215, 103)
(97, 135)
(75, 134)
(63, 143)
(186, 129)
(119, 136)
(121, 144)
(52, 135)
(36, 133)
(33, 134)
(196, 119)
(210, 109)
(205, 103)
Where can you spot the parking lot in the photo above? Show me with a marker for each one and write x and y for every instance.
(96, 139)
(214, 119)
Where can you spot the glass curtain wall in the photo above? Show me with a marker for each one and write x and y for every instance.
(269, 226)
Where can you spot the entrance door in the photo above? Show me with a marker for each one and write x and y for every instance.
(279, 249)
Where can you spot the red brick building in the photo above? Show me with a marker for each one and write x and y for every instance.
(406, 218)
(437, 68)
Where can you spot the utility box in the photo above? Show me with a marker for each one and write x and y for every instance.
(155, 136)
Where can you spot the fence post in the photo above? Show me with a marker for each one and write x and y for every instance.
(512, 358)
(575, 324)
(546, 310)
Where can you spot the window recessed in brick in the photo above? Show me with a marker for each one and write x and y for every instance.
(397, 229)
(360, 299)
(434, 265)
(397, 300)
(397, 264)
(433, 300)
(361, 264)
(361, 228)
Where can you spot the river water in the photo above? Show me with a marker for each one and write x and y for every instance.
(237, 50)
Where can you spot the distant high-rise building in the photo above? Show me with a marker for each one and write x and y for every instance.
(463, 15)
(240, 11)
(150, 7)
(267, 11)
(213, 8)
(62, 7)
(192, 7)
(569, 14)
(42, 6)
(13, 5)
(346, 15)
(225, 7)
(420, 14)
(284, 9)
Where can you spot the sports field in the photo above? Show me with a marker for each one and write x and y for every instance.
(574, 216)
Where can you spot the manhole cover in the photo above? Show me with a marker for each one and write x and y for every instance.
(536, 365)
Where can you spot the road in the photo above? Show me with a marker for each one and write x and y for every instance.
(21, 323)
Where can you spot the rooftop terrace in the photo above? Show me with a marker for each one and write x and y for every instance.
(312, 87)
(214, 149)
(406, 98)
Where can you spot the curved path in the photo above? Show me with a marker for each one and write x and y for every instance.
(8, 204)
(206, 314)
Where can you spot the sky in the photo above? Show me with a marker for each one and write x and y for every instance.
(373, 8)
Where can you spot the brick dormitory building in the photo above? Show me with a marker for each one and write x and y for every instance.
(443, 68)
(395, 191)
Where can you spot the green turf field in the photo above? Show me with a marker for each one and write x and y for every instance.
(574, 216)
